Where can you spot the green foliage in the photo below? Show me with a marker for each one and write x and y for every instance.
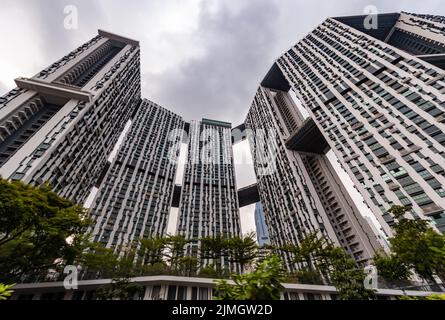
(242, 250)
(305, 276)
(35, 224)
(158, 268)
(209, 271)
(262, 284)
(430, 297)
(436, 246)
(392, 269)
(416, 245)
(436, 297)
(347, 277)
(212, 271)
(187, 266)
(310, 252)
(320, 263)
(100, 261)
(406, 298)
(5, 291)
(174, 252)
(151, 250)
(213, 248)
(120, 289)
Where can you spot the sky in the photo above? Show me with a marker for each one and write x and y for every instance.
(199, 58)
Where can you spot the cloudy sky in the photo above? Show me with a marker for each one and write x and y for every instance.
(200, 58)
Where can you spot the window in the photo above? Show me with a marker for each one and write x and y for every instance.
(203, 294)
(413, 189)
(398, 172)
(171, 295)
(155, 293)
(422, 199)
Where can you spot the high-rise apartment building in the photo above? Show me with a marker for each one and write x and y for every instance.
(61, 125)
(262, 233)
(376, 95)
(135, 196)
(299, 190)
(209, 198)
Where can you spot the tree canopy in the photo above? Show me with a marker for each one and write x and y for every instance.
(415, 247)
(38, 230)
(262, 284)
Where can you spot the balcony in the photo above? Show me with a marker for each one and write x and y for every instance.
(404, 152)
(432, 210)
(386, 159)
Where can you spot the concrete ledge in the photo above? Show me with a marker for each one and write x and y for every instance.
(308, 138)
(118, 38)
(275, 79)
(55, 90)
(201, 282)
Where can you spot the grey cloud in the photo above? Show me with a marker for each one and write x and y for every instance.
(47, 16)
(221, 84)
(238, 47)
(56, 38)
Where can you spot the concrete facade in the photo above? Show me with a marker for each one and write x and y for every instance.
(378, 98)
(61, 125)
(135, 196)
(300, 191)
(209, 198)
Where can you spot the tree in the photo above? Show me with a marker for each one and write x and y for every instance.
(211, 271)
(306, 276)
(99, 261)
(152, 250)
(436, 245)
(312, 257)
(392, 269)
(417, 245)
(213, 249)
(262, 284)
(175, 250)
(242, 250)
(347, 278)
(188, 266)
(35, 224)
(310, 250)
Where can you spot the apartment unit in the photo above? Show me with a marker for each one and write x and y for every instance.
(61, 125)
(209, 199)
(377, 97)
(135, 196)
